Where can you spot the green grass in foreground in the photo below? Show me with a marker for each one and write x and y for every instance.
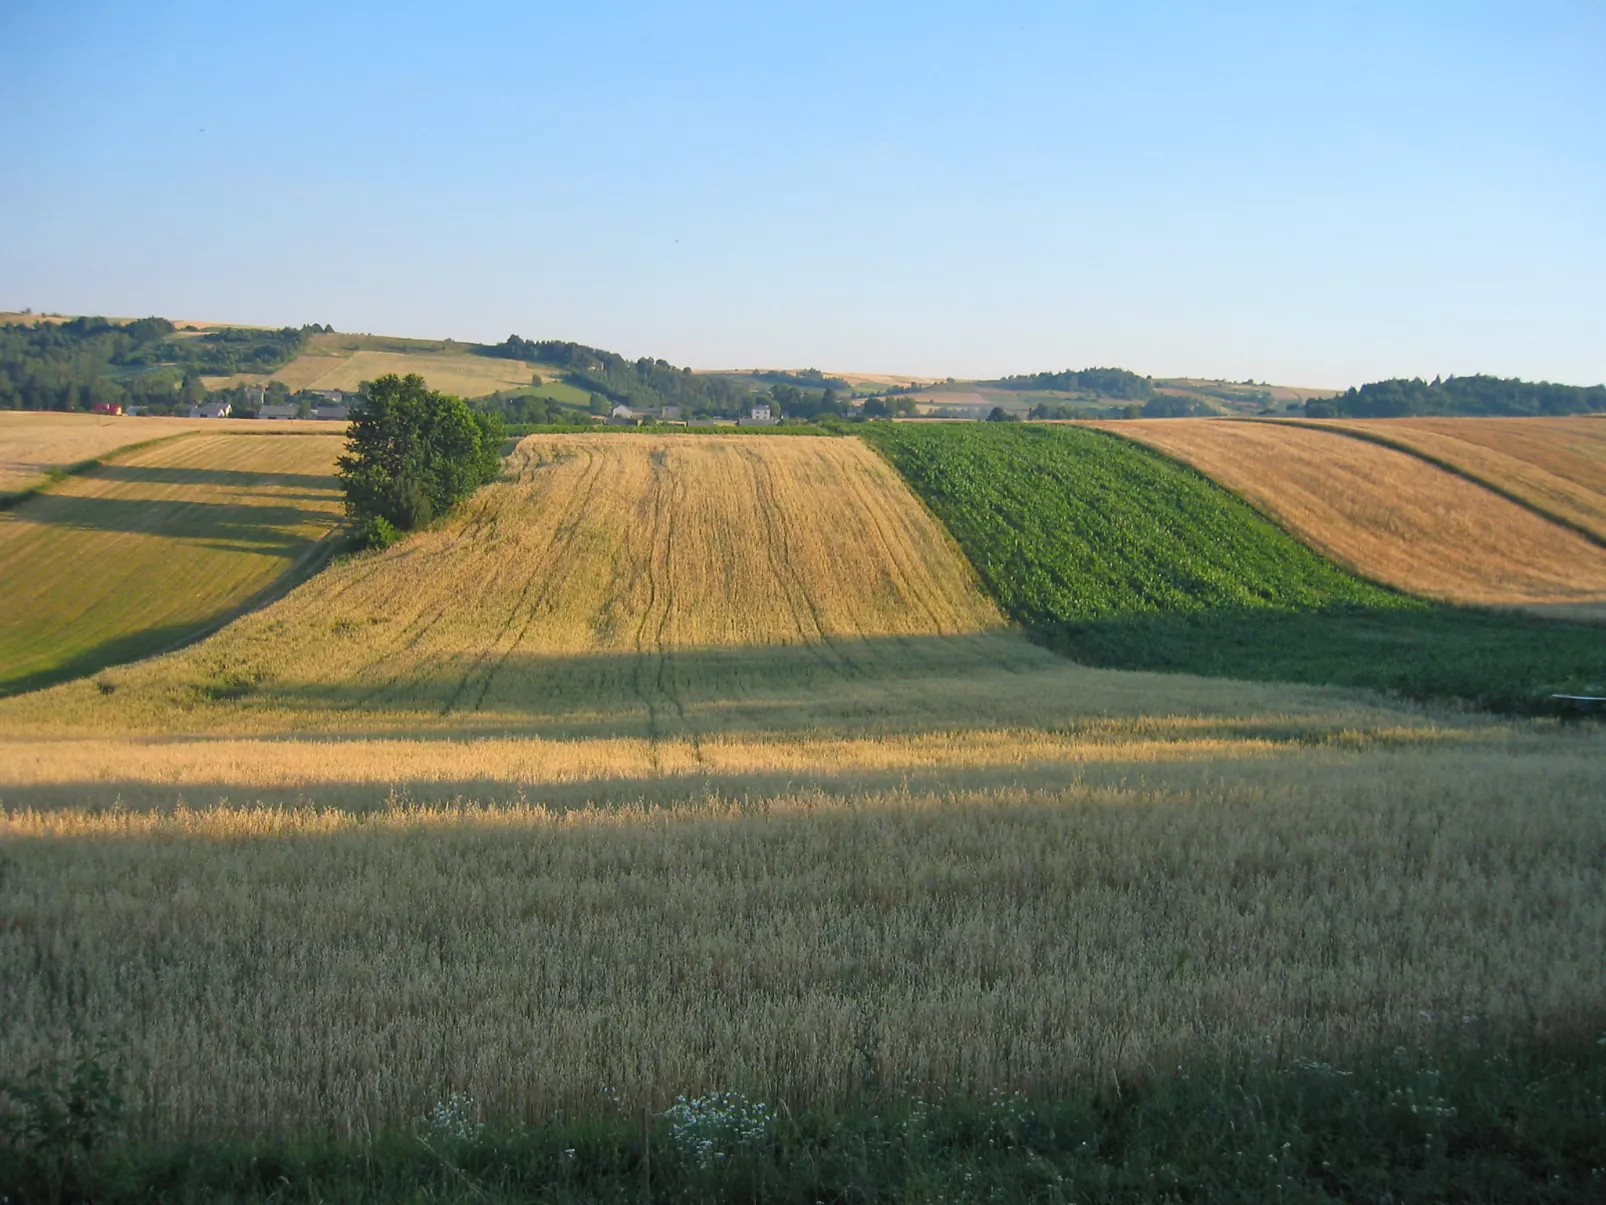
(1118, 556)
(1457, 1121)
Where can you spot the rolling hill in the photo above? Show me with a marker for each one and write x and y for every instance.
(1394, 517)
(1557, 466)
(1121, 556)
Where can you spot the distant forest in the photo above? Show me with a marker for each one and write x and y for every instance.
(1460, 395)
(74, 365)
(1115, 383)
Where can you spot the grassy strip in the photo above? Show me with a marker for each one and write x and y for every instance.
(1119, 556)
(1448, 466)
(1456, 1121)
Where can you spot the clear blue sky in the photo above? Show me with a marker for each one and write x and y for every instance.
(1306, 193)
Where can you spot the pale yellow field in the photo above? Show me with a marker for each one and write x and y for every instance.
(1392, 516)
(698, 763)
(450, 372)
(32, 443)
(140, 553)
(1558, 464)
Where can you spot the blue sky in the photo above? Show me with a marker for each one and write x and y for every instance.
(1313, 194)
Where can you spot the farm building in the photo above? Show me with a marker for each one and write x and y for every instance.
(107, 408)
(211, 410)
(761, 415)
(278, 410)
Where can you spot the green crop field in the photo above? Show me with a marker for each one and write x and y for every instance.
(1121, 557)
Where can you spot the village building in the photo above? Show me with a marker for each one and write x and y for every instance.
(211, 410)
(278, 410)
(761, 415)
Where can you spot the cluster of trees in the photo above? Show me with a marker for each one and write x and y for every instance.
(532, 409)
(1101, 382)
(1460, 395)
(77, 364)
(889, 406)
(796, 402)
(412, 454)
(646, 383)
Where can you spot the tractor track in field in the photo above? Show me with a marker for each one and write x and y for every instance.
(805, 613)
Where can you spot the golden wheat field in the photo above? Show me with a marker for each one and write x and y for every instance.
(32, 444)
(1392, 516)
(1557, 464)
(137, 554)
(672, 764)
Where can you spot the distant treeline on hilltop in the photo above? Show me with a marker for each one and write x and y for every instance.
(1102, 382)
(76, 364)
(646, 383)
(1460, 395)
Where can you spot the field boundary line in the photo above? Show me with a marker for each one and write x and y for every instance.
(312, 559)
(1439, 462)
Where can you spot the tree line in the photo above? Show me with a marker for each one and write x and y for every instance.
(1101, 382)
(1474, 395)
(645, 383)
(84, 362)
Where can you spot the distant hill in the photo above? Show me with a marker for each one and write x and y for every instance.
(1475, 395)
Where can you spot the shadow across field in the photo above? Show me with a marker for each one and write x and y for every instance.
(1496, 660)
(130, 646)
(265, 527)
(242, 478)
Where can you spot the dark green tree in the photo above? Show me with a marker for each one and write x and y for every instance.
(413, 453)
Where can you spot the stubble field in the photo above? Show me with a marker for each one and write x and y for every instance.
(701, 763)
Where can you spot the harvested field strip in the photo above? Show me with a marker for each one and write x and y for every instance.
(1392, 516)
(1554, 466)
(136, 555)
(610, 576)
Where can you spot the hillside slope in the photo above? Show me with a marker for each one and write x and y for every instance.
(623, 612)
(608, 576)
(1393, 516)
(1556, 465)
(1123, 557)
(140, 553)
